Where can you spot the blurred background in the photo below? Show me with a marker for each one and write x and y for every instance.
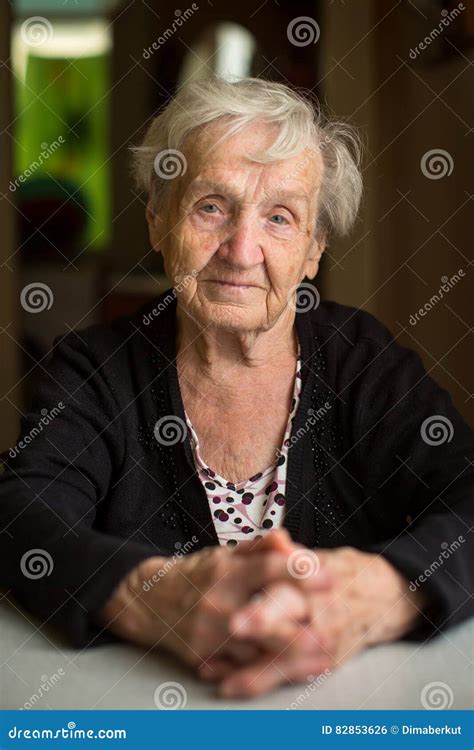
(81, 79)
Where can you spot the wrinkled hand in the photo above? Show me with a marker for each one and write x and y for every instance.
(188, 609)
(305, 633)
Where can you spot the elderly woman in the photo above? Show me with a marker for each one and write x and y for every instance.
(260, 483)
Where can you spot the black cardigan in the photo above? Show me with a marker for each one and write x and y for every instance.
(94, 491)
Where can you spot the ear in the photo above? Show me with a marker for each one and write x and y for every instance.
(317, 247)
(155, 227)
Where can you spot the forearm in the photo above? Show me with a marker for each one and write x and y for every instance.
(126, 614)
(398, 609)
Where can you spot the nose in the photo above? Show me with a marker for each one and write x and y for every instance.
(242, 249)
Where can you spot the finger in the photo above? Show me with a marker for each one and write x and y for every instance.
(242, 651)
(309, 570)
(271, 671)
(278, 540)
(274, 614)
(255, 572)
(216, 668)
(233, 655)
(304, 564)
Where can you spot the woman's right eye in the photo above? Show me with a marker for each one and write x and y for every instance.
(207, 208)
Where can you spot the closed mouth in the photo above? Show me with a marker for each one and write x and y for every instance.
(232, 283)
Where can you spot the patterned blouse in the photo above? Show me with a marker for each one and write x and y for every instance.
(250, 508)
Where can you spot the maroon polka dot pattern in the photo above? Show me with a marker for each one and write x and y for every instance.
(248, 509)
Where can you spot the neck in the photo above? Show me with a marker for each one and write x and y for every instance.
(212, 351)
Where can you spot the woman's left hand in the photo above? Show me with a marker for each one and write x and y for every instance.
(305, 634)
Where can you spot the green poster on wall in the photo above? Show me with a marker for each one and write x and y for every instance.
(62, 144)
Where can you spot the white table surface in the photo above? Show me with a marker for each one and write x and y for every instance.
(121, 676)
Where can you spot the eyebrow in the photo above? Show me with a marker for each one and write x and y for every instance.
(219, 187)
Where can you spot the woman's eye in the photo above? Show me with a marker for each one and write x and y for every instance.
(208, 208)
(279, 219)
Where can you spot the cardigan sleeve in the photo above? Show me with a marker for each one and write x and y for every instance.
(53, 561)
(416, 454)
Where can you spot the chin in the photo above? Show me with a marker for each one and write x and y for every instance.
(233, 318)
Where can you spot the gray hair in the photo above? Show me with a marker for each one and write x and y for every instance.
(301, 125)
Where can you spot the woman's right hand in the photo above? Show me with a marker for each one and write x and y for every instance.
(188, 609)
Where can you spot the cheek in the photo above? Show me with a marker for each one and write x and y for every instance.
(284, 267)
(192, 250)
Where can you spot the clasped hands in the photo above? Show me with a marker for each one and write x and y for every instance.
(265, 613)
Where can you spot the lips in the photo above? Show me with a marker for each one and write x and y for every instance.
(231, 283)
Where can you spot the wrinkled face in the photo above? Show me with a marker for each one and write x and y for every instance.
(238, 236)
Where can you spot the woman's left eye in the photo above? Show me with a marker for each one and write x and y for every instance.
(281, 219)
(208, 206)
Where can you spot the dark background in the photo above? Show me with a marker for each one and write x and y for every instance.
(365, 66)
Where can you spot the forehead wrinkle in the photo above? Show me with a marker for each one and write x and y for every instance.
(216, 186)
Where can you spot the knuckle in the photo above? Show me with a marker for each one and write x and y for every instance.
(205, 606)
(219, 569)
(267, 567)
